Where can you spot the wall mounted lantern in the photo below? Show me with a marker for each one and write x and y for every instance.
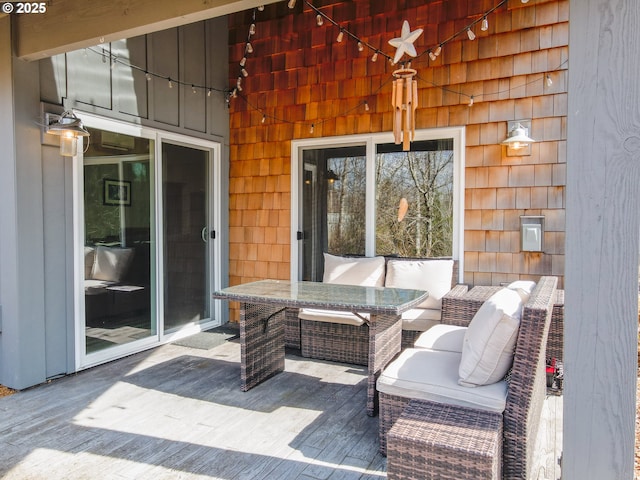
(68, 127)
(518, 141)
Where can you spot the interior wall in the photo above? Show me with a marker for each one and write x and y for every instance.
(300, 75)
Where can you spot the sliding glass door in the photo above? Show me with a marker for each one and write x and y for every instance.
(187, 252)
(145, 215)
(119, 241)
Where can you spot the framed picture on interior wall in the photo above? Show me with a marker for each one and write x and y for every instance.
(117, 192)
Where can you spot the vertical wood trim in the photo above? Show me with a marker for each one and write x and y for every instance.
(603, 190)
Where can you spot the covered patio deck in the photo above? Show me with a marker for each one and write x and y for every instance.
(177, 412)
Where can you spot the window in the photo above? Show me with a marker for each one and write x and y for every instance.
(368, 197)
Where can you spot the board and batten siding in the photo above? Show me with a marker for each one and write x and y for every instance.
(299, 75)
(193, 54)
(36, 238)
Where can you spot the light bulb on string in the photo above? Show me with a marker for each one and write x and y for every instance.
(548, 80)
(193, 89)
(147, 76)
(170, 83)
(374, 57)
(471, 100)
(264, 119)
(239, 84)
(261, 8)
(209, 93)
(249, 48)
(243, 61)
(319, 20)
(366, 106)
(360, 47)
(252, 29)
(292, 3)
(114, 61)
(437, 51)
(340, 36)
(244, 73)
(311, 129)
(484, 26)
(470, 34)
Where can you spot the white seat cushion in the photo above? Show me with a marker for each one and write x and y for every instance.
(434, 276)
(420, 319)
(364, 271)
(95, 287)
(333, 316)
(490, 340)
(449, 338)
(433, 375)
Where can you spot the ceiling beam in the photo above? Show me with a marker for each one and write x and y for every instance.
(69, 25)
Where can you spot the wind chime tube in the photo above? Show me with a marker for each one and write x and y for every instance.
(414, 106)
(398, 85)
(406, 130)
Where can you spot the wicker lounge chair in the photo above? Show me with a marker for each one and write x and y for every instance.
(525, 395)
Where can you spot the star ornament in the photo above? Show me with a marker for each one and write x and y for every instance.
(404, 44)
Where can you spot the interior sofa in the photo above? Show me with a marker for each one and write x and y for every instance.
(343, 336)
(116, 282)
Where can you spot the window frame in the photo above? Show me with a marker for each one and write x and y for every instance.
(370, 141)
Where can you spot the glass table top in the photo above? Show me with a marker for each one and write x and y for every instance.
(325, 296)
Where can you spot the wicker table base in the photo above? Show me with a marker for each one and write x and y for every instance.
(261, 343)
(438, 441)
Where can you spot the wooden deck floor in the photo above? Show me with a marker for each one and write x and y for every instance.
(176, 412)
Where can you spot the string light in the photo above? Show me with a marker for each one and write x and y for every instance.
(471, 100)
(147, 76)
(360, 46)
(252, 29)
(113, 63)
(374, 57)
(193, 89)
(485, 24)
(548, 80)
(366, 106)
(239, 84)
(209, 93)
(243, 61)
(261, 8)
(170, 83)
(340, 36)
(292, 3)
(264, 118)
(249, 48)
(244, 72)
(470, 34)
(311, 129)
(319, 20)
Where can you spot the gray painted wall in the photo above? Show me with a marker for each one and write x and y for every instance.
(36, 224)
(603, 222)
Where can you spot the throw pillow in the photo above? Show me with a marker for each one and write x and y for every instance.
(490, 339)
(365, 271)
(434, 276)
(111, 263)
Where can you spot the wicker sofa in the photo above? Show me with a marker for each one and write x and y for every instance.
(343, 336)
(496, 445)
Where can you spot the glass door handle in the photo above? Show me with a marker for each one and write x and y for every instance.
(203, 234)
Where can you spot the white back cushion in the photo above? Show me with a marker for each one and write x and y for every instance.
(523, 287)
(449, 338)
(111, 263)
(364, 271)
(490, 339)
(434, 276)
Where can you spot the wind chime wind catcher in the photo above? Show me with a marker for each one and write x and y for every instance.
(404, 97)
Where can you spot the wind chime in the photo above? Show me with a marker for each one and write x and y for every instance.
(404, 97)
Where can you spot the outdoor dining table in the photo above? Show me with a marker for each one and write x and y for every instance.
(263, 306)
